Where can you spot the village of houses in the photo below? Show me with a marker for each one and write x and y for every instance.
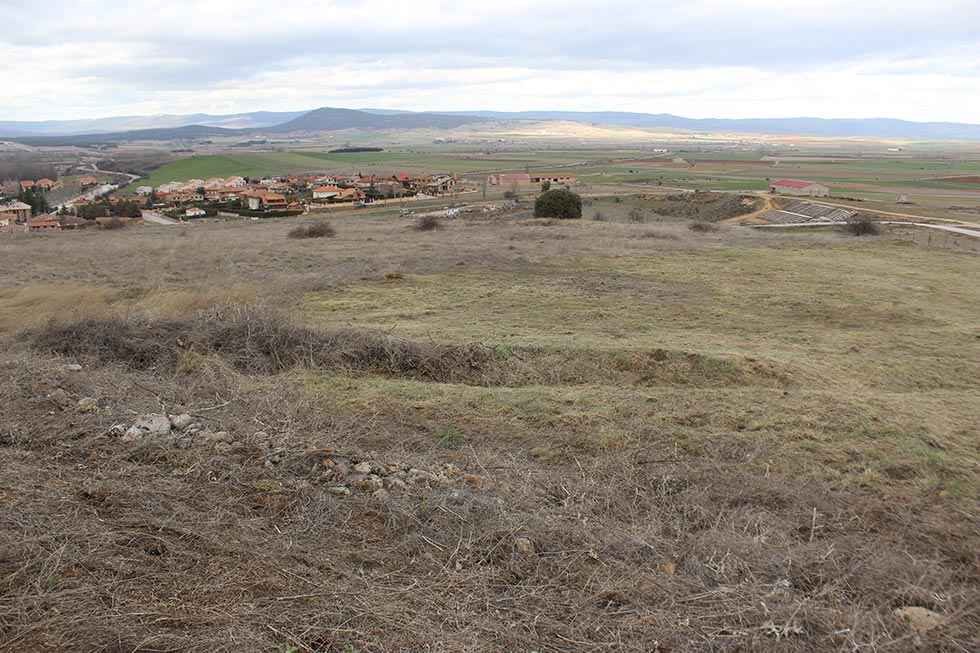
(196, 198)
(104, 204)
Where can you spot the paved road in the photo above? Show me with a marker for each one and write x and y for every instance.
(862, 209)
(964, 231)
(156, 218)
(129, 176)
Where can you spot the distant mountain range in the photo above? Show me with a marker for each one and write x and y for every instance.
(197, 126)
(128, 123)
(843, 127)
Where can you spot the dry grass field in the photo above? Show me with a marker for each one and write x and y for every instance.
(588, 435)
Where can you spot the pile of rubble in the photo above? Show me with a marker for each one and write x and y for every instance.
(342, 473)
(345, 474)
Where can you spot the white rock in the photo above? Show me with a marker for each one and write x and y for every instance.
(59, 396)
(524, 546)
(369, 483)
(363, 468)
(339, 490)
(420, 476)
(393, 483)
(88, 404)
(221, 436)
(73, 367)
(151, 425)
(181, 422)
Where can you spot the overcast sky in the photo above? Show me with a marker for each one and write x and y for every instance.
(698, 58)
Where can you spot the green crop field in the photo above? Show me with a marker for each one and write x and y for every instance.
(280, 163)
(879, 180)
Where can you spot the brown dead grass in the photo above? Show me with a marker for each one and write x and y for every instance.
(126, 547)
(688, 442)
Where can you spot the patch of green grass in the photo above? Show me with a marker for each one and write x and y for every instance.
(450, 437)
(878, 340)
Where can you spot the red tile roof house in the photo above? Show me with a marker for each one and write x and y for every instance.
(72, 222)
(45, 183)
(44, 223)
(264, 201)
(350, 195)
(14, 211)
(325, 192)
(798, 187)
(27, 183)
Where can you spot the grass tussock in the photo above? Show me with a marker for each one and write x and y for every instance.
(320, 229)
(700, 227)
(427, 223)
(114, 223)
(658, 235)
(863, 225)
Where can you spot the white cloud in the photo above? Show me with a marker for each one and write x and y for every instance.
(747, 58)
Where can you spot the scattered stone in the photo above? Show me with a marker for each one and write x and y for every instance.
(223, 447)
(458, 497)
(60, 397)
(151, 425)
(381, 495)
(222, 436)
(919, 618)
(524, 546)
(395, 483)
(274, 457)
(420, 476)
(181, 422)
(363, 468)
(73, 367)
(450, 470)
(184, 441)
(339, 490)
(441, 480)
(369, 483)
(88, 404)
(340, 470)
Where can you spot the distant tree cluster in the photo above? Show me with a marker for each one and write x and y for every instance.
(35, 197)
(17, 169)
(105, 209)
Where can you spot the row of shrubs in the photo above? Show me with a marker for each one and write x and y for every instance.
(563, 204)
(323, 229)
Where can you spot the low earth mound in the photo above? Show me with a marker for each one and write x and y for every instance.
(258, 341)
(702, 206)
(968, 179)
